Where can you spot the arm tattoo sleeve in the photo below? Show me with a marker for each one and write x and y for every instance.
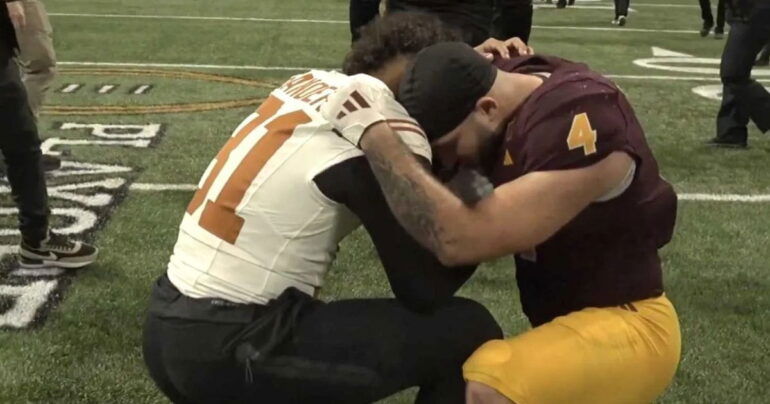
(407, 196)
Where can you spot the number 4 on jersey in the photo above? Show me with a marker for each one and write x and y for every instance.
(582, 134)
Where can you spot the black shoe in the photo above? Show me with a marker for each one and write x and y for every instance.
(719, 33)
(704, 32)
(728, 143)
(622, 21)
(561, 4)
(571, 2)
(56, 251)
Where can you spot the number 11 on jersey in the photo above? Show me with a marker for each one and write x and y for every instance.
(219, 216)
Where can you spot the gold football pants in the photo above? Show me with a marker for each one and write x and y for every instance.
(623, 355)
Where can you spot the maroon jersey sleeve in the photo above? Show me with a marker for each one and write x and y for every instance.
(574, 127)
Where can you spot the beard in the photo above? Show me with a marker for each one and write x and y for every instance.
(489, 153)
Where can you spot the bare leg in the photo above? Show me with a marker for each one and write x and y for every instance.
(480, 393)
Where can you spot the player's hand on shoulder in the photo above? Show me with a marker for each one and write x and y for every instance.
(356, 106)
(506, 49)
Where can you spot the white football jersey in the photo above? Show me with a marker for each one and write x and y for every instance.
(257, 223)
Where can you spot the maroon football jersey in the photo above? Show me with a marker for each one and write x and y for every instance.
(608, 254)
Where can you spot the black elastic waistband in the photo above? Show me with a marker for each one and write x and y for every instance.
(167, 301)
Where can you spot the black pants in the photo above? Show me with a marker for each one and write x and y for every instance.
(350, 351)
(472, 18)
(708, 17)
(20, 145)
(513, 18)
(621, 8)
(361, 13)
(743, 98)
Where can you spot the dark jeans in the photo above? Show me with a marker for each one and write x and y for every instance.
(361, 13)
(20, 145)
(621, 7)
(708, 17)
(513, 18)
(348, 351)
(743, 98)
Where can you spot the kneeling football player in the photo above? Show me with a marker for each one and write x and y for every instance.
(579, 200)
(235, 317)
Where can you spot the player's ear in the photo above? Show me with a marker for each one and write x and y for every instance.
(487, 106)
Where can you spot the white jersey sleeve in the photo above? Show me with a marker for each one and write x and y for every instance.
(407, 128)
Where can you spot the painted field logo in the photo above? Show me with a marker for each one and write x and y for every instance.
(82, 196)
(89, 91)
(670, 61)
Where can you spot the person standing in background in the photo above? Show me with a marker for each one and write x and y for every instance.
(512, 18)
(472, 18)
(361, 12)
(621, 12)
(36, 53)
(708, 18)
(20, 146)
(36, 56)
(743, 98)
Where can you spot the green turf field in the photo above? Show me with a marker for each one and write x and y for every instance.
(205, 74)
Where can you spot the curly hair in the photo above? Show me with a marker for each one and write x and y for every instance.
(395, 34)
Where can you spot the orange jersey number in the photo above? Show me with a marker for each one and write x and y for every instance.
(219, 215)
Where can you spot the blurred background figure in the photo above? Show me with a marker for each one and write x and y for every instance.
(360, 13)
(36, 54)
(563, 3)
(473, 18)
(512, 18)
(708, 18)
(476, 20)
(621, 12)
(20, 147)
(764, 56)
(743, 98)
(36, 57)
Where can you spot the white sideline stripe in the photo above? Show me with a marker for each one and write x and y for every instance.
(190, 66)
(681, 78)
(666, 5)
(197, 18)
(294, 20)
(724, 198)
(617, 29)
(304, 69)
(163, 187)
(682, 197)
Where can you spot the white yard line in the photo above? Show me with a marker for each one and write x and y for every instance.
(138, 186)
(682, 197)
(197, 18)
(725, 198)
(293, 20)
(189, 66)
(302, 69)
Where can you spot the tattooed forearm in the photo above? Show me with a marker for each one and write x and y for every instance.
(406, 185)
